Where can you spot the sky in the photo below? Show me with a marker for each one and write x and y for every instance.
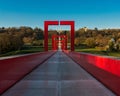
(86, 13)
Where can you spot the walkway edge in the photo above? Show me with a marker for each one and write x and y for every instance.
(111, 81)
(14, 69)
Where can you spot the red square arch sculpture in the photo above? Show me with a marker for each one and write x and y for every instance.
(47, 23)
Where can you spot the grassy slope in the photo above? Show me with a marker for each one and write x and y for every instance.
(98, 52)
(24, 51)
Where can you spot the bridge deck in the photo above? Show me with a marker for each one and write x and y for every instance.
(59, 76)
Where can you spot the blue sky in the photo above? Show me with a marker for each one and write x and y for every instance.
(33, 13)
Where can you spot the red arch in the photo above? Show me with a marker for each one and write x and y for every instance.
(47, 23)
(55, 42)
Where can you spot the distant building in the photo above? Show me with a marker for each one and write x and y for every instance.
(85, 29)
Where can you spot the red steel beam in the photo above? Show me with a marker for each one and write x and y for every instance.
(71, 23)
(46, 24)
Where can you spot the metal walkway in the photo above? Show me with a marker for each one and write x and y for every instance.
(59, 76)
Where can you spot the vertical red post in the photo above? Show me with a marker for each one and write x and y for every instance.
(46, 24)
(53, 42)
(72, 36)
(71, 23)
(65, 38)
(46, 35)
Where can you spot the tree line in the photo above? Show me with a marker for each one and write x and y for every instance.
(104, 39)
(14, 38)
(108, 39)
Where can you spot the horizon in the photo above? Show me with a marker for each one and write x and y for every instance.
(56, 29)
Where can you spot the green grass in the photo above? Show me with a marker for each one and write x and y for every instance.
(34, 49)
(116, 54)
(98, 52)
(25, 50)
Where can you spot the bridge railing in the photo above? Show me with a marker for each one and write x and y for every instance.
(14, 69)
(105, 69)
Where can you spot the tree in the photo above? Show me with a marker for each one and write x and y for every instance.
(90, 42)
(27, 40)
(96, 29)
(77, 41)
(37, 43)
(111, 44)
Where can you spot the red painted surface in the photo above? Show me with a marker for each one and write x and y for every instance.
(12, 70)
(71, 23)
(47, 23)
(55, 42)
(106, 70)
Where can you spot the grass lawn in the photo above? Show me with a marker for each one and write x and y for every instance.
(98, 51)
(26, 50)
(34, 49)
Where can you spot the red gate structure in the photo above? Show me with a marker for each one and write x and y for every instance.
(47, 23)
(56, 41)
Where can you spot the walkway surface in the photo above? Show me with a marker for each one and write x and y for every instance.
(58, 76)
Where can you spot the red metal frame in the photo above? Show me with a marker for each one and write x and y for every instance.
(54, 45)
(55, 42)
(47, 23)
(71, 23)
